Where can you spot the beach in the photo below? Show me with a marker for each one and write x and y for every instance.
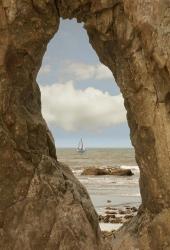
(115, 192)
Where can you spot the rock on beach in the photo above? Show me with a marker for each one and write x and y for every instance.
(107, 171)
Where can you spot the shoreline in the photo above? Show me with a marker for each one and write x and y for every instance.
(114, 217)
(120, 190)
(114, 198)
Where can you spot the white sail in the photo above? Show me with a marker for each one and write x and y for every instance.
(81, 147)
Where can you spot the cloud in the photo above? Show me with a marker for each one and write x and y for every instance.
(45, 69)
(74, 109)
(82, 71)
(102, 72)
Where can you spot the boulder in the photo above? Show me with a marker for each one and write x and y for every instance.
(107, 171)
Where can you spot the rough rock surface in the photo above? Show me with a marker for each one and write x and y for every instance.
(42, 206)
(107, 171)
(118, 214)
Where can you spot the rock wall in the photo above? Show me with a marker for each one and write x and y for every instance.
(42, 205)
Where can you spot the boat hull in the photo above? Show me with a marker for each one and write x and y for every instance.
(81, 151)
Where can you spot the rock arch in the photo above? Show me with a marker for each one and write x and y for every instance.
(42, 206)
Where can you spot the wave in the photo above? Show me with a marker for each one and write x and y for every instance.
(110, 183)
(135, 169)
(130, 195)
(77, 171)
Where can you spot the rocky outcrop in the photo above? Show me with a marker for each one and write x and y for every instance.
(107, 171)
(42, 206)
(52, 213)
(118, 215)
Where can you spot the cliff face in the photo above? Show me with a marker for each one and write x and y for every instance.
(42, 205)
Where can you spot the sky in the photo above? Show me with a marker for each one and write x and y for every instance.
(80, 98)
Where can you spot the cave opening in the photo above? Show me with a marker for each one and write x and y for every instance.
(80, 98)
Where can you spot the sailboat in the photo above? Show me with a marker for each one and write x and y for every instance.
(81, 148)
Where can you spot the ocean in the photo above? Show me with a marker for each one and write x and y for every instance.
(119, 191)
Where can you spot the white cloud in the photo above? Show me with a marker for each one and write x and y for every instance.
(45, 69)
(74, 109)
(102, 72)
(82, 71)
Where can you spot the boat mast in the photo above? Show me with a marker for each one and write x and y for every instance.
(82, 146)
